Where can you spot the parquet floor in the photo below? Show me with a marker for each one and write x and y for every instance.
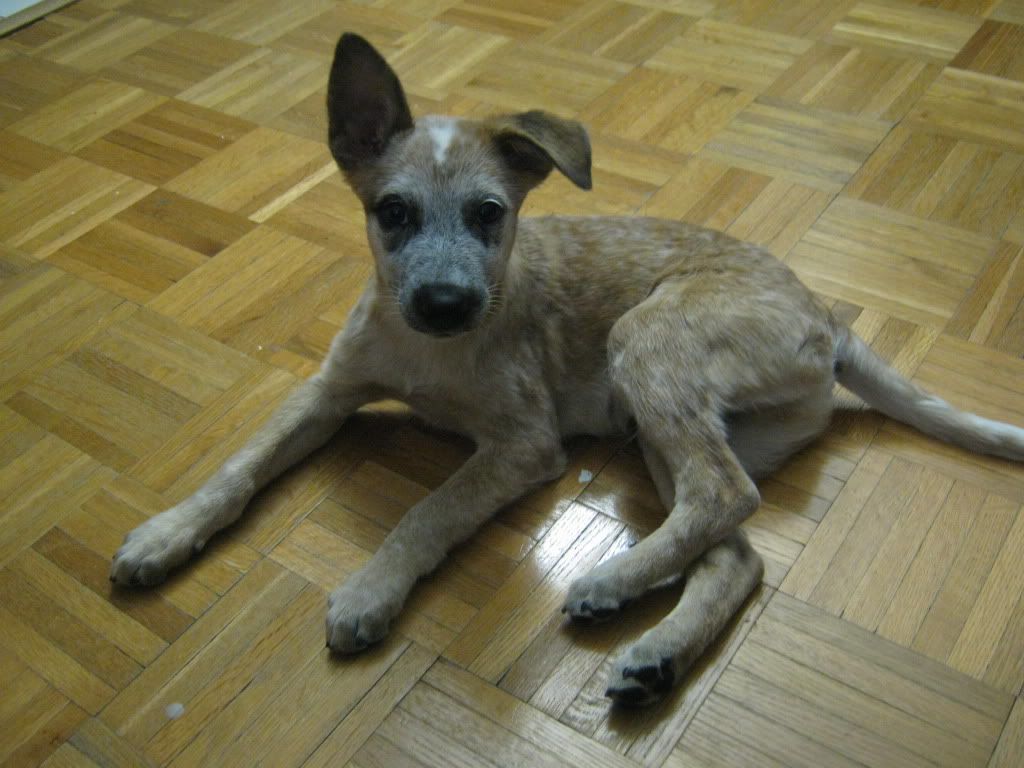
(177, 250)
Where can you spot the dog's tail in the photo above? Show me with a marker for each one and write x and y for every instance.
(863, 372)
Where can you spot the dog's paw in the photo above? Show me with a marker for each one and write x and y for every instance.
(593, 598)
(357, 617)
(641, 676)
(154, 548)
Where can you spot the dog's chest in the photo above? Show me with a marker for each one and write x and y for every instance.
(453, 414)
(472, 396)
(457, 394)
(583, 408)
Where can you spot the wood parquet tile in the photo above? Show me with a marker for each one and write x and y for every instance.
(177, 251)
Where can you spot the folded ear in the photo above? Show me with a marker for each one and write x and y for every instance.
(365, 104)
(534, 142)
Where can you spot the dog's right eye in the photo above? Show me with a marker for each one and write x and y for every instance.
(393, 214)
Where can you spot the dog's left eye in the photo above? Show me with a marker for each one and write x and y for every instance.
(490, 211)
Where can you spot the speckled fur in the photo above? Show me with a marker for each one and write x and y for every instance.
(706, 348)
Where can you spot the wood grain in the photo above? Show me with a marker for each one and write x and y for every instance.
(177, 251)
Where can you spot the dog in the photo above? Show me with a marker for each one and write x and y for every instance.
(522, 332)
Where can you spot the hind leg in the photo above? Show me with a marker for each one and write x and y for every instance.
(757, 443)
(716, 585)
(711, 495)
(763, 439)
(681, 362)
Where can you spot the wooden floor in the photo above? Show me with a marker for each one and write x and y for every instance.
(177, 250)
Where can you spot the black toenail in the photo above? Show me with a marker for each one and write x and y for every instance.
(668, 674)
(630, 697)
(643, 674)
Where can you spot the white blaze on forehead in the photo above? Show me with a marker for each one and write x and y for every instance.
(441, 131)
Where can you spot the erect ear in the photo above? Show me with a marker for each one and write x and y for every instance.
(365, 104)
(532, 143)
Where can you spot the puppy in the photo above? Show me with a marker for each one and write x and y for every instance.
(520, 333)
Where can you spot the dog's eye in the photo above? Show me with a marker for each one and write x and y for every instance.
(393, 214)
(490, 211)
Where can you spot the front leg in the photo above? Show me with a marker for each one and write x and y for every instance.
(360, 611)
(303, 423)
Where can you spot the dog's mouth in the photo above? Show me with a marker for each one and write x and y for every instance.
(443, 332)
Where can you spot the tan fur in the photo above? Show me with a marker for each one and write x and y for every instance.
(706, 347)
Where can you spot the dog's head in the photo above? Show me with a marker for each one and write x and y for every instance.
(441, 194)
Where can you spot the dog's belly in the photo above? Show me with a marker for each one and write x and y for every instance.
(590, 408)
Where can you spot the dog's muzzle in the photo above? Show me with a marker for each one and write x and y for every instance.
(443, 309)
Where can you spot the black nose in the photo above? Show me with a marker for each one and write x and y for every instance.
(445, 308)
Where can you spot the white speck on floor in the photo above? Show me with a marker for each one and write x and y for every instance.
(175, 710)
(586, 475)
(11, 7)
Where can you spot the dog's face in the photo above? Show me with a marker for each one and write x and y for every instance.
(441, 219)
(442, 194)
